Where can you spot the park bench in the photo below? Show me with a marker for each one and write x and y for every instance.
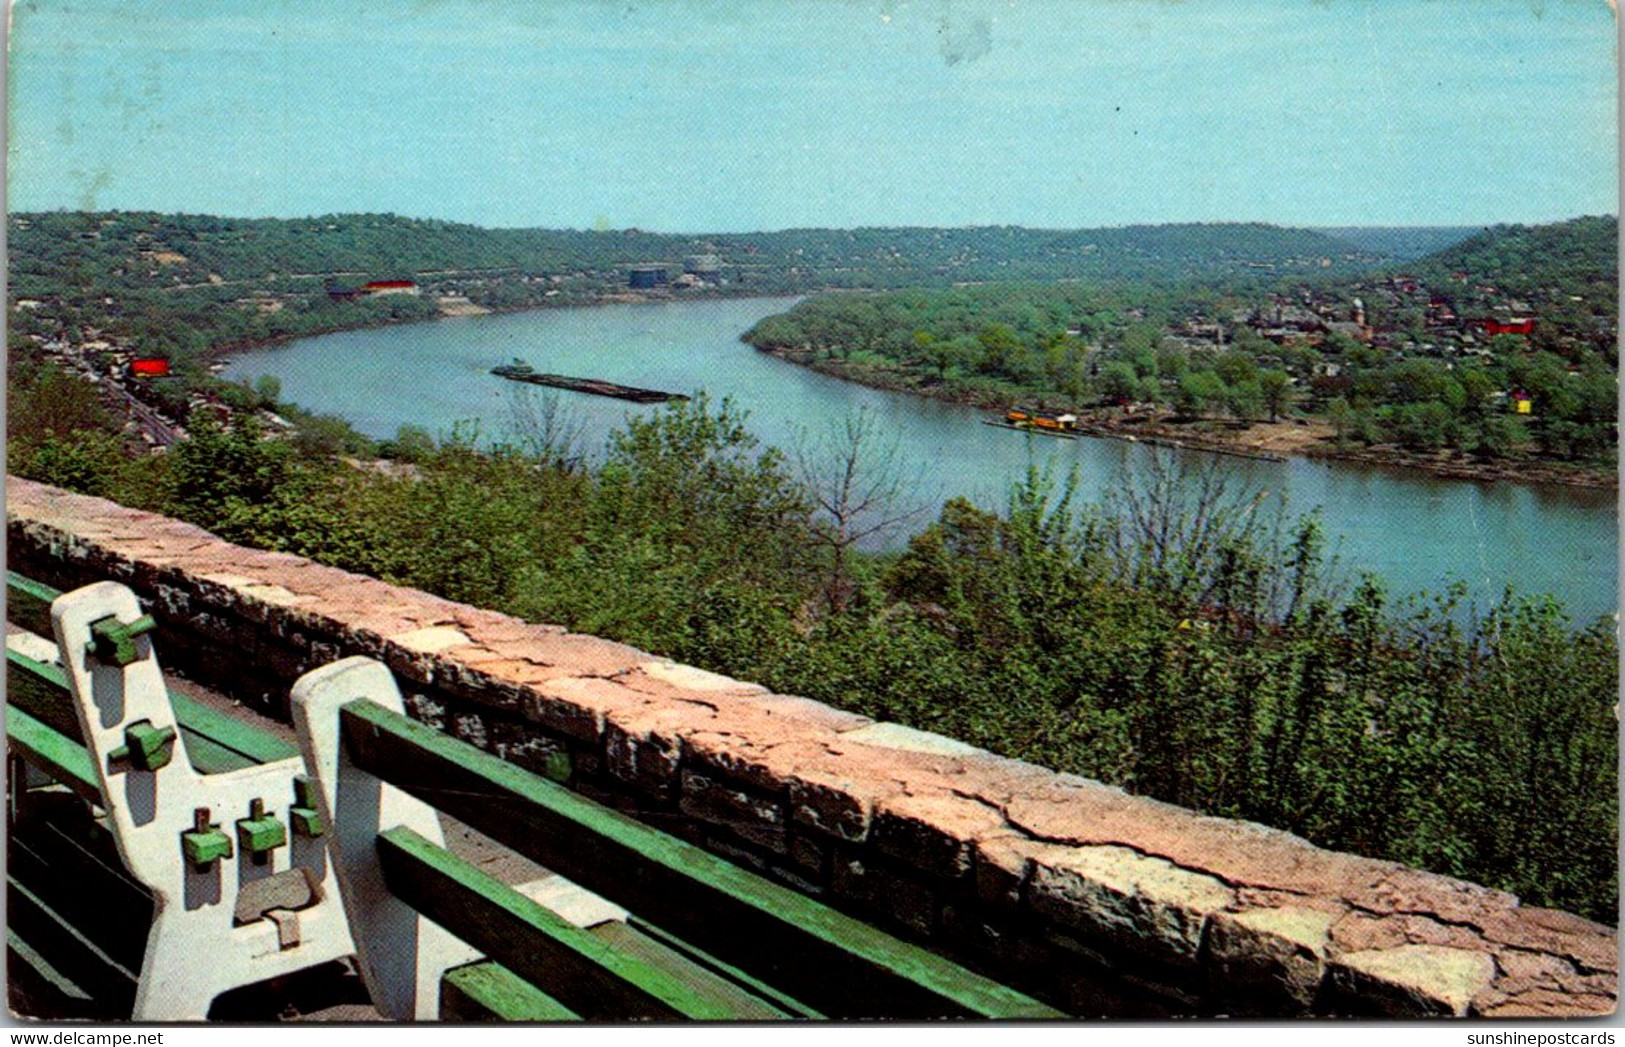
(701, 939)
(160, 852)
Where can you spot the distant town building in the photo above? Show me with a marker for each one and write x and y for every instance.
(262, 302)
(1348, 329)
(1440, 311)
(647, 277)
(149, 367)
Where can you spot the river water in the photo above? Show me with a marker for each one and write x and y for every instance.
(1417, 532)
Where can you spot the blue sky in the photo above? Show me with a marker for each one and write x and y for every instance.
(729, 115)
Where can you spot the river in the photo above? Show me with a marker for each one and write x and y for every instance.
(1416, 531)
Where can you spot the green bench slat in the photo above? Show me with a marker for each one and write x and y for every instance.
(28, 603)
(70, 862)
(489, 991)
(228, 743)
(228, 733)
(41, 690)
(582, 971)
(62, 949)
(750, 999)
(214, 741)
(840, 965)
(58, 755)
(45, 970)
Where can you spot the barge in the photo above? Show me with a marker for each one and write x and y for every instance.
(519, 371)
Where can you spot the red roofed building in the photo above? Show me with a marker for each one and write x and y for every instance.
(1516, 325)
(149, 367)
(378, 287)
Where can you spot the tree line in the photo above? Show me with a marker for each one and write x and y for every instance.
(146, 249)
(180, 285)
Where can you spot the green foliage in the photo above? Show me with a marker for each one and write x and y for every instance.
(1275, 390)
(1118, 381)
(1527, 261)
(1200, 392)
(58, 431)
(46, 401)
(231, 482)
(268, 387)
(412, 443)
(1182, 639)
(1185, 640)
(1430, 735)
(685, 504)
(87, 460)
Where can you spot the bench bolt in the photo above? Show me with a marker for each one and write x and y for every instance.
(204, 844)
(260, 833)
(145, 748)
(304, 814)
(113, 641)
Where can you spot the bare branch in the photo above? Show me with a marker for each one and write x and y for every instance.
(544, 426)
(854, 478)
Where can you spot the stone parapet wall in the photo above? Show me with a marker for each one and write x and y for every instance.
(1102, 903)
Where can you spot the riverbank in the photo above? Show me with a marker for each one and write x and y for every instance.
(1406, 525)
(1296, 437)
(216, 355)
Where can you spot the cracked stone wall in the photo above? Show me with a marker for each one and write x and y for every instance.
(1101, 903)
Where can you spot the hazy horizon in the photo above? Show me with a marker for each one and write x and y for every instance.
(695, 117)
(1330, 230)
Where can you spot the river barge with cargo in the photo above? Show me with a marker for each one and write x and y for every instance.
(520, 371)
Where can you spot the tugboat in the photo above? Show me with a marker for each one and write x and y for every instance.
(517, 369)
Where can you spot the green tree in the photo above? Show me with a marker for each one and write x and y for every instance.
(1275, 386)
(1200, 391)
(1499, 436)
(1245, 400)
(268, 387)
(1000, 345)
(1118, 381)
(1341, 417)
(1235, 367)
(412, 443)
(1423, 426)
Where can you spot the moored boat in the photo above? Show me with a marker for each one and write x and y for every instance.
(1027, 419)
